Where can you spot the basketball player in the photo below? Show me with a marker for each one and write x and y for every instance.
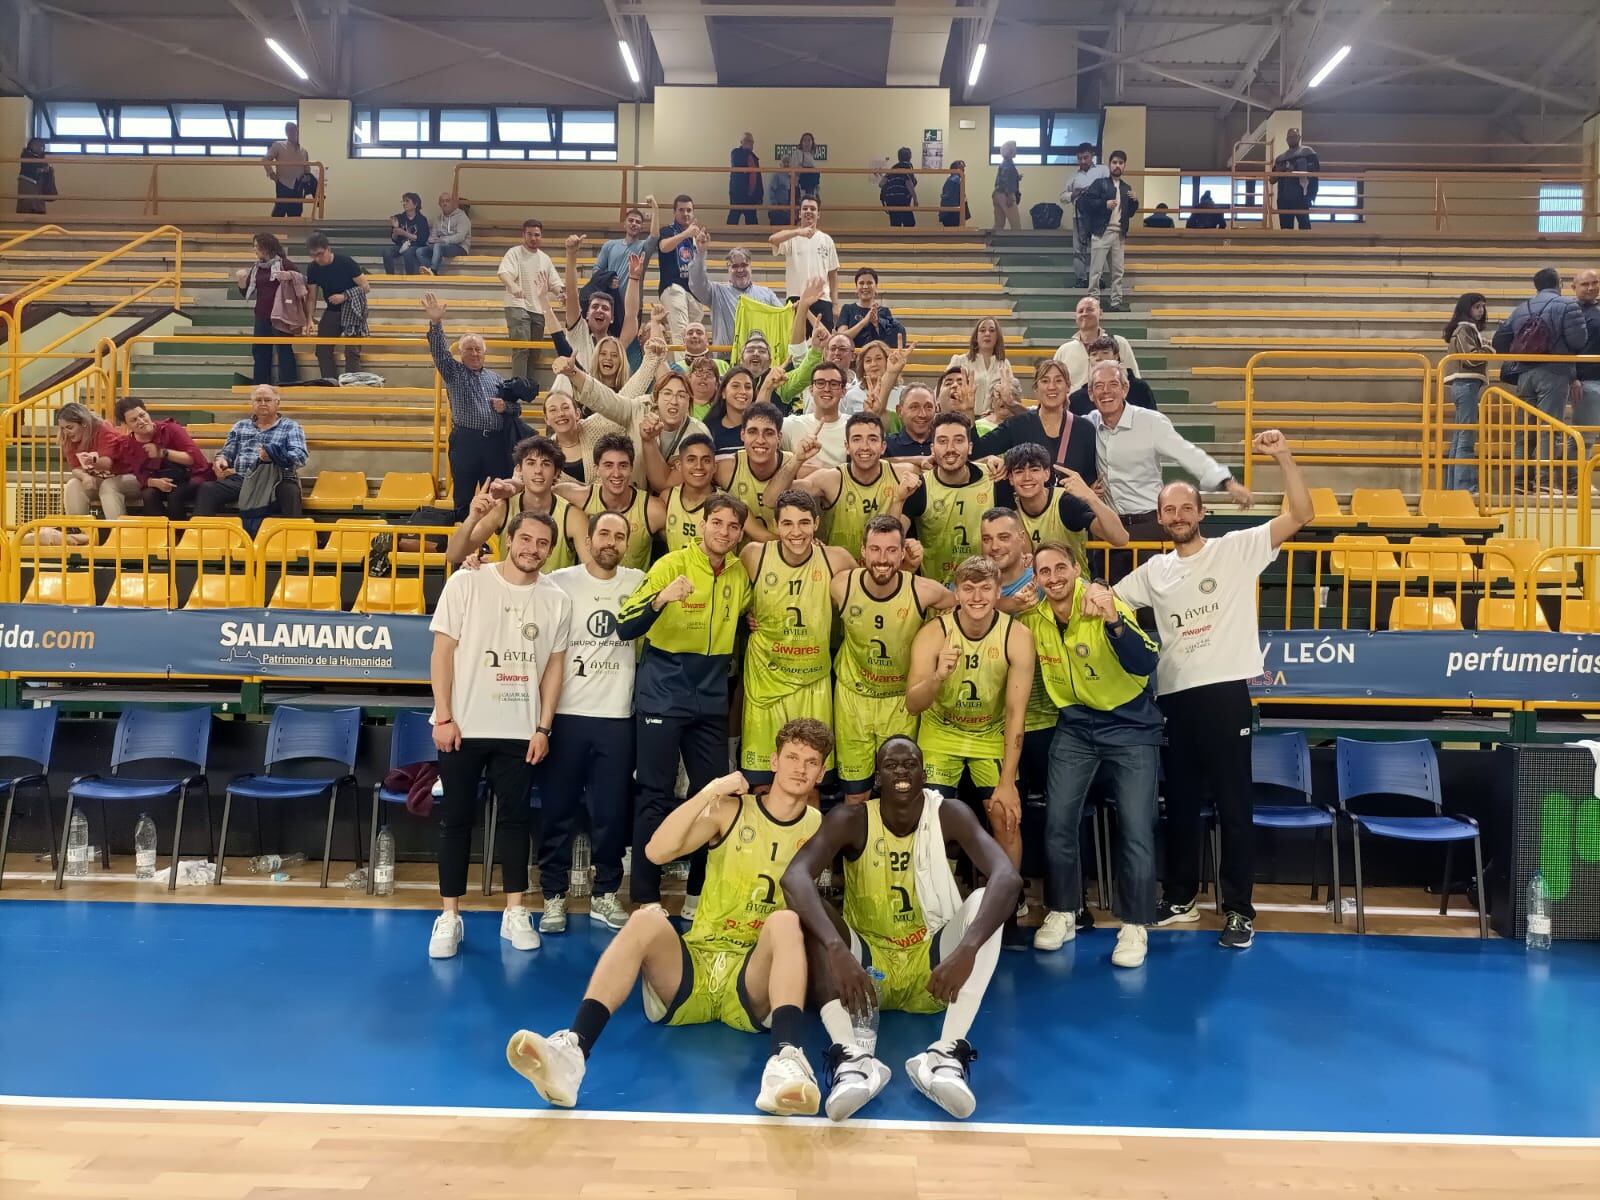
(881, 608)
(786, 664)
(677, 514)
(743, 960)
(1059, 512)
(947, 509)
(538, 465)
(903, 915)
(613, 463)
(745, 474)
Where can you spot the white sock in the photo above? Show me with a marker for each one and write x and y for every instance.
(836, 1020)
(958, 1018)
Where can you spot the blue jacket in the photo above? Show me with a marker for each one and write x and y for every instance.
(1562, 314)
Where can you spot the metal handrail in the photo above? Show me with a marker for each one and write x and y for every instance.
(152, 198)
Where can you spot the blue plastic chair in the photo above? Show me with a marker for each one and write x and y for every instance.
(1283, 761)
(27, 737)
(175, 735)
(1409, 769)
(303, 735)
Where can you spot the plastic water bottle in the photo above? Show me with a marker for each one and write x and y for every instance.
(865, 1023)
(78, 845)
(1538, 937)
(578, 881)
(383, 864)
(266, 864)
(356, 881)
(144, 848)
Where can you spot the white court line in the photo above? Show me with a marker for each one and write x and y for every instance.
(655, 1118)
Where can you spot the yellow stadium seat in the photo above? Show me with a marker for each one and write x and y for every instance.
(1366, 557)
(1446, 505)
(402, 491)
(1418, 612)
(73, 588)
(216, 590)
(1580, 616)
(1508, 557)
(296, 542)
(1382, 506)
(1501, 613)
(403, 595)
(137, 590)
(1446, 559)
(213, 539)
(136, 537)
(337, 490)
(346, 544)
(317, 592)
(1325, 508)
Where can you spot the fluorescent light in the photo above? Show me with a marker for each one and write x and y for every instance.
(1339, 55)
(288, 59)
(627, 60)
(977, 64)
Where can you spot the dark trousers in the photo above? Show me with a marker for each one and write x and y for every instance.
(590, 764)
(1208, 750)
(216, 495)
(474, 457)
(173, 505)
(1141, 527)
(288, 372)
(822, 310)
(505, 761)
(1130, 775)
(702, 743)
(331, 325)
(1291, 220)
(397, 261)
(903, 220)
(747, 214)
(282, 209)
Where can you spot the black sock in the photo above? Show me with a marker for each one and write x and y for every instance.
(590, 1023)
(786, 1022)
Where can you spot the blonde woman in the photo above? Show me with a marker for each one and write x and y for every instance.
(99, 462)
(984, 361)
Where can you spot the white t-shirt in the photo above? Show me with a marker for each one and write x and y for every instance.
(504, 636)
(807, 258)
(831, 436)
(582, 344)
(599, 679)
(535, 275)
(1205, 608)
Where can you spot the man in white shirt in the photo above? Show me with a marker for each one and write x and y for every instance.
(530, 280)
(1203, 593)
(808, 253)
(1130, 446)
(1088, 171)
(285, 162)
(825, 424)
(499, 640)
(591, 748)
(588, 324)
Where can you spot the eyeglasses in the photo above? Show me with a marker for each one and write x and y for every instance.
(827, 383)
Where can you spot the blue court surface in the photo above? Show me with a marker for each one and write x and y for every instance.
(1304, 1032)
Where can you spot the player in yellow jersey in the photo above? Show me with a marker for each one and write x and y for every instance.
(903, 916)
(786, 665)
(1054, 503)
(742, 962)
(497, 502)
(745, 474)
(613, 462)
(677, 514)
(881, 608)
(947, 509)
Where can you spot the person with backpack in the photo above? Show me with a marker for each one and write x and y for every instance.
(953, 211)
(898, 191)
(1547, 323)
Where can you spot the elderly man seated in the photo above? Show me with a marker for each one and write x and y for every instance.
(258, 468)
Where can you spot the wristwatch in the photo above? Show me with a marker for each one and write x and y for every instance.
(544, 729)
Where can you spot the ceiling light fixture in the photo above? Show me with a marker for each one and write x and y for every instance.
(977, 64)
(1339, 55)
(288, 59)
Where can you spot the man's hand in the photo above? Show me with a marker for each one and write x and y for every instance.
(564, 366)
(851, 979)
(812, 292)
(161, 483)
(1027, 595)
(336, 298)
(650, 427)
(538, 747)
(734, 784)
(1005, 807)
(1240, 494)
(1270, 442)
(775, 378)
(152, 451)
(658, 313)
(947, 979)
(679, 589)
(310, 330)
(702, 237)
(574, 243)
(482, 501)
(995, 465)
(911, 556)
(498, 403)
(819, 333)
(1072, 483)
(807, 450)
(447, 736)
(1098, 602)
(649, 201)
(502, 489)
(907, 487)
(636, 267)
(899, 356)
(262, 455)
(433, 306)
(946, 665)
(656, 346)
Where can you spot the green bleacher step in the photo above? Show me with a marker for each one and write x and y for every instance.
(1197, 433)
(1165, 397)
(146, 377)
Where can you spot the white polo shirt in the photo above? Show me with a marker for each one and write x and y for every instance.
(599, 664)
(808, 258)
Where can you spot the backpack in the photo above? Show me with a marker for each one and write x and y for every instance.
(1534, 336)
(1046, 215)
(895, 190)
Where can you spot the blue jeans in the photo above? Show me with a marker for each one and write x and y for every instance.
(1545, 387)
(430, 255)
(1586, 414)
(1462, 472)
(1130, 773)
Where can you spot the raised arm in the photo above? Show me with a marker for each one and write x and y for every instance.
(632, 301)
(933, 660)
(699, 821)
(571, 305)
(1300, 511)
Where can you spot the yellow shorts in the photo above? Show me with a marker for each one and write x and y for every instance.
(861, 724)
(710, 989)
(763, 720)
(944, 770)
(906, 971)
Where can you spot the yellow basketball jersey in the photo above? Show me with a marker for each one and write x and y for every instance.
(1048, 527)
(683, 523)
(747, 487)
(742, 876)
(874, 659)
(880, 886)
(845, 523)
(794, 624)
(638, 552)
(968, 715)
(561, 554)
(951, 522)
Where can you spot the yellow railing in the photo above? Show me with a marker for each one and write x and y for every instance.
(1529, 463)
(111, 179)
(32, 474)
(1443, 426)
(1564, 589)
(305, 572)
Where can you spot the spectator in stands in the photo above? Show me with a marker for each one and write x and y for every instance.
(540, 465)
(703, 380)
(1008, 190)
(723, 298)
(916, 413)
(1207, 214)
(614, 253)
(697, 348)
(807, 254)
(1074, 352)
(1107, 205)
(1465, 381)
(867, 319)
(675, 255)
(953, 211)
(840, 351)
(803, 158)
(587, 322)
(1088, 173)
(1295, 170)
(343, 284)
(664, 414)
(285, 162)
(35, 178)
(898, 191)
(450, 237)
(566, 427)
(258, 467)
(529, 278)
(478, 448)
(1159, 219)
(408, 229)
(1586, 404)
(1070, 442)
(170, 467)
(275, 315)
(1545, 323)
(99, 463)
(984, 360)
(1105, 349)
(877, 374)
(736, 392)
(744, 182)
(824, 424)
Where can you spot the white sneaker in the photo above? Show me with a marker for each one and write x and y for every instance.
(1022, 909)
(857, 1077)
(1058, 929)
(448, 934)
(941, 1076)
(607, 910)
(1132, 943)
(517, 928)
(554, 917)
(554, 1065)
(788, 1087)
(691, 905)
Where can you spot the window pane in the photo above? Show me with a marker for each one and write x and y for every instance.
(1556, 200)
(439, 152)
(267, 121)
(541, 153)
(77, 118)
(402, 125)
(1021, 128)
(203, 121)
(361, 126)
(603, 156)
(125, 148)
(477, 152)
(228, 148)
(507, 153)
(64, 147)
(144, 121)
(377, 152)
(588, 127)
(524, 124)
(1069, 130)
(464, 125)
(158, 148)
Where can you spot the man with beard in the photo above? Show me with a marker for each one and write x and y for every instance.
(947, 511)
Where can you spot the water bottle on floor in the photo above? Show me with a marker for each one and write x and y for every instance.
(865, 1023)
(356, 881)
(266, 864)
(1538, 937)
(78, 846)
(578, 881)
(144, 848)
(383, 864)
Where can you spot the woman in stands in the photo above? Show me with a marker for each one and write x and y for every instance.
(408, 229)
(704, 385)
(725, 418)
(984, 361)
(566, 427)
(803, 158)
(872, 367)
(1466, 379)
(260, 283)
(100, 463)
(611, 367)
